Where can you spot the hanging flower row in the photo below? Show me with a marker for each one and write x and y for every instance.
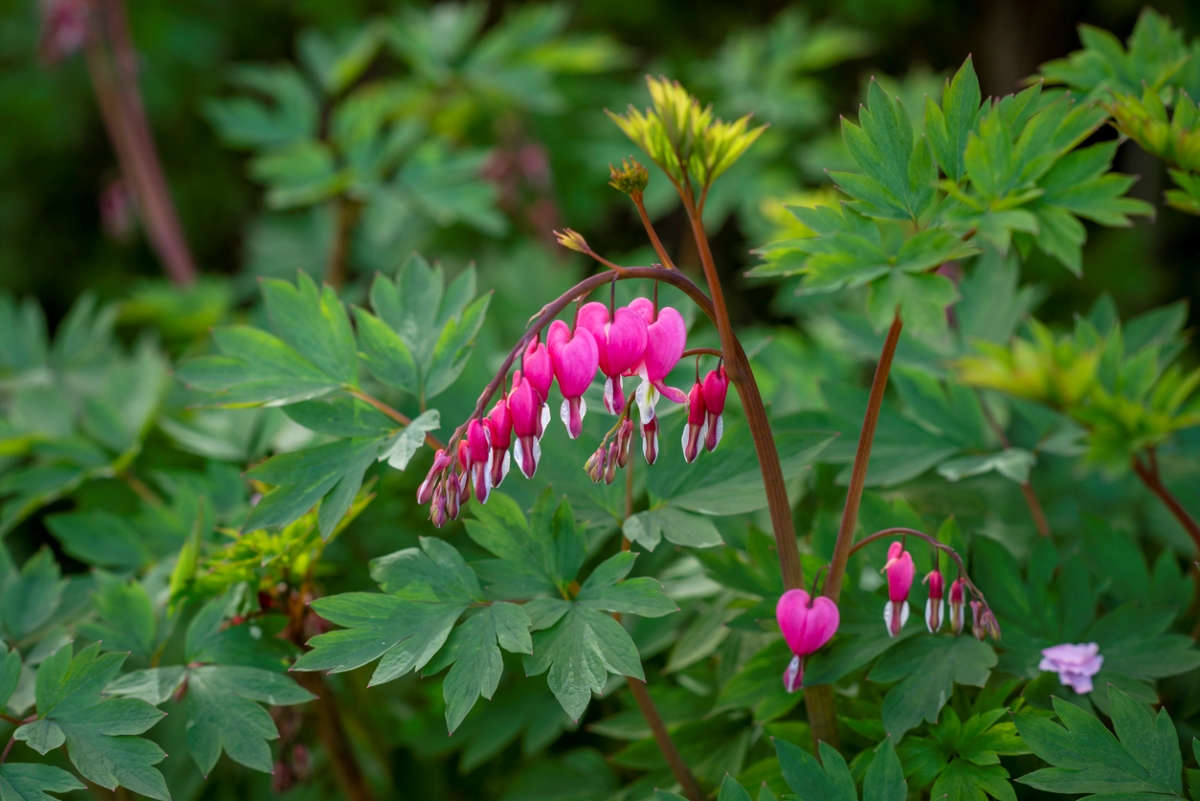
(639, 340)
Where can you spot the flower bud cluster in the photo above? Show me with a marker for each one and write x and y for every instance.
(639, 340)
(900, 572)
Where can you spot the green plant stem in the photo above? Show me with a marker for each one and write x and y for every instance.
(1148, 473)
(862, 456)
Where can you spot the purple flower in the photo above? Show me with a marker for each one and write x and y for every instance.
(1074, 664)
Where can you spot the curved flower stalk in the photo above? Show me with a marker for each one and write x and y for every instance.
(899, 569)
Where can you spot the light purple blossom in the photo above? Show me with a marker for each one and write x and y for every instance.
(1074, 664)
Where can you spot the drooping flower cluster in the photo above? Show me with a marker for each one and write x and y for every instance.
(638, 340)
(900, 572)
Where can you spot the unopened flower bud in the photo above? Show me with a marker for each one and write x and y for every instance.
(716, 387)
(978, 626)
(624, 442)
(441, 460)
(453, 495)
(610, 472)
(631, 178)
(696, 427)
(958, 601)
(935, 607)
(650, 440)
(595, 464)
(991, 624)
(572, 240)
(437, 508)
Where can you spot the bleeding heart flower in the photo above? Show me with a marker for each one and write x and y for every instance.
(538, 367)
(978, 626)
(624, 442)
(666, 338)
(437, 506)
(697, 424)
(935, 607)
(716, 387)
(526, 409)
(576, 360)
(958, 602)
(479, 453)
(650, 439)
(807, 625)
(620, 343)
(899, 569)
(499, 428)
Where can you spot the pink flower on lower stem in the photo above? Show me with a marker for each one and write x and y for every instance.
(620, 343)
(1074, 664)
(935, 607)
(807, 624)
(899, 570)
(499, 428)
(441, 460)
(576, 359)
(716, 387)
(526, 409)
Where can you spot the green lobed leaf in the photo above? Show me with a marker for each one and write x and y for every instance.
(827, 780)
(26, 782)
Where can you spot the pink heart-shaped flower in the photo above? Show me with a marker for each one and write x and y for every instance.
(807, 623)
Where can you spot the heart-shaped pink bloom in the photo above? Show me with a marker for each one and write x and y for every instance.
(935, 607)
(576, 359)
(538, 367)
(666, 338)
(900, 571)
(958, 602)
(621, 344)
(526, 409)
(807, 625)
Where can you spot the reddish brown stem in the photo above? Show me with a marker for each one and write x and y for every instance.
(702, 352)
(650, 232)
(399, 417)
(334, 739)
(1150, 477)
(121, 106)
(737, 366)
(347, 214)
(679, 769)
(858, 473)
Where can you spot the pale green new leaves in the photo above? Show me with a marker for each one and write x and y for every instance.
(682, 137)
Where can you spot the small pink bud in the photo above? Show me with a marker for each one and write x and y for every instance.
(935, 607)
(576, 360)
(978, 626)
(625, 441)
(695, 429)
(595, 464)
(716, 387)
(958, 600)
(610, 472)
(807, 625)
(437, 509)
(899, 569)
(650, 440)
(440, 462)
(453, 495)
